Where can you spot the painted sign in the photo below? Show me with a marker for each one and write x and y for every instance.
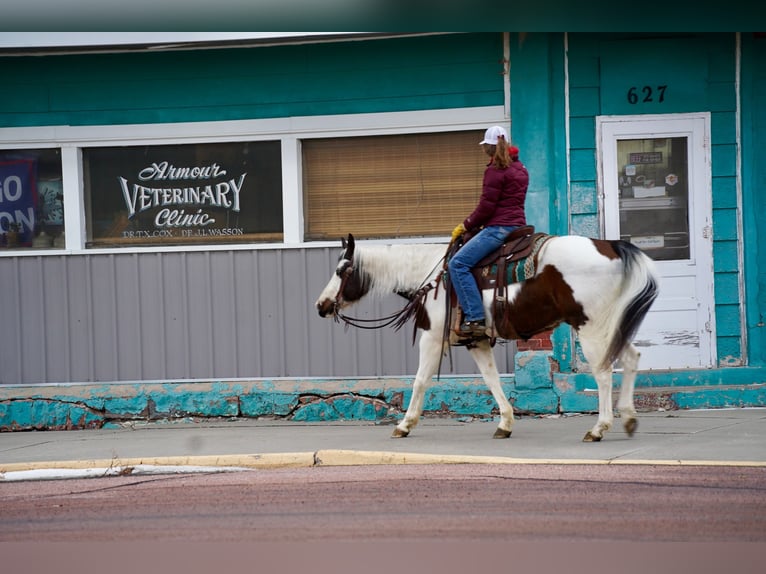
(185, 193)
(169, 204)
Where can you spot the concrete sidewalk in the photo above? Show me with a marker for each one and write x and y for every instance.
(718, 436)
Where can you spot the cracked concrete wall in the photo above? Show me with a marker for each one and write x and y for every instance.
(100, 405)
(96, 406)
(536, 388)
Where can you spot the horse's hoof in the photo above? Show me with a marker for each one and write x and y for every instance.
(399, 433)
(630, 426)
(501, 433)
(590, 437)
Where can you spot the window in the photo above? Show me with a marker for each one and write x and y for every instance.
(31, 199)
(244, 183)
(183, 194)
(391, 186)
(653, 179)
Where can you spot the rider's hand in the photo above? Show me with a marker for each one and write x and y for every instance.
(458, 231)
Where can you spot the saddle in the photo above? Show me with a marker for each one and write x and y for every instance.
(514, 261)
(491, 272)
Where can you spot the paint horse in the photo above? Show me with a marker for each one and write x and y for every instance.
(601, 288)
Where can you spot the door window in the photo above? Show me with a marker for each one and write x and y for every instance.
(654, 195)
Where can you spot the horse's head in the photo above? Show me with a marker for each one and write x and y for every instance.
(346, 286)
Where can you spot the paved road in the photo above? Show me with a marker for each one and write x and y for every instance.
(398, 503)
(686, 494)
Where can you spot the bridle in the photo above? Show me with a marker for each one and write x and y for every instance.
(397, 319)
(344, 275)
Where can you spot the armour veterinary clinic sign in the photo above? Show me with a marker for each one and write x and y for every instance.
(172, 200)
(155, 195)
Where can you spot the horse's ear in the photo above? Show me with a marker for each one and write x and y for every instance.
(348, 245)
(343, 242)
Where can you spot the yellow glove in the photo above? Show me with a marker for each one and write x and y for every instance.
(458, 231)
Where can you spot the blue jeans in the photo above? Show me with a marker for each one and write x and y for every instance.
(478, 247)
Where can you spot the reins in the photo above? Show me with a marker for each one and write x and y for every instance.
(397, 319)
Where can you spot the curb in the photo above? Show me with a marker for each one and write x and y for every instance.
(51, 470)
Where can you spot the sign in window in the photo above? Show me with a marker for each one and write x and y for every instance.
(183, 194)
(31, 199)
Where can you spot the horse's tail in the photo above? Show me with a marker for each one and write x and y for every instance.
(638, 291)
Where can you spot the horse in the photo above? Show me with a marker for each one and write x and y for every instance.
(601, 288)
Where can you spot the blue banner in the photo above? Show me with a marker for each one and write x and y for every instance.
(18, 201)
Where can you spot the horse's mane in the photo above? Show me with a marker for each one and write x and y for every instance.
(400, 267)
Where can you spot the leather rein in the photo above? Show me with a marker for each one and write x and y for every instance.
(397, 319)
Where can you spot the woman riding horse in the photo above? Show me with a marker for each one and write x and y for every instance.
(500, 210)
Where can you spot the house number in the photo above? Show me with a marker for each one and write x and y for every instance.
(646, 94)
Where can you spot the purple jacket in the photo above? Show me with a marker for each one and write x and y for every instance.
(502, 197)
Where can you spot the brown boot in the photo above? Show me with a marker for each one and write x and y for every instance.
(475, 329)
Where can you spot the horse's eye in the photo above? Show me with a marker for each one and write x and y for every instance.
(344, 268)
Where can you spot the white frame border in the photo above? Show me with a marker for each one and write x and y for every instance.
(289, 131)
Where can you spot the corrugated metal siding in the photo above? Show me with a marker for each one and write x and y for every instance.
(192, 315)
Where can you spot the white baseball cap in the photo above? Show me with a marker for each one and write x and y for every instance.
(492, 134)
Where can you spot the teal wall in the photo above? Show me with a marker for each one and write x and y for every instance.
(453, 71)
(753, 92)
(538, 115)
(450, 71)
(700, 72)
(537, 124)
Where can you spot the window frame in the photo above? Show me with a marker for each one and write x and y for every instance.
(289, 131)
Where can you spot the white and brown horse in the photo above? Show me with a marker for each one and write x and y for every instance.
(602, 288)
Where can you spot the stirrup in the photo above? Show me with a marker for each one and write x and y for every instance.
(472, 329)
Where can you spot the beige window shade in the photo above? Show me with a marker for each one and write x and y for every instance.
(414, 185)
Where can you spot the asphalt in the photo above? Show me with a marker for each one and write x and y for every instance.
(724, 437)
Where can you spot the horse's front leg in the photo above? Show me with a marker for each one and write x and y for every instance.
(485, 360)
(431, 348)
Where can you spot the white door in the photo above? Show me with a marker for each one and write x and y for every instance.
(656, 187)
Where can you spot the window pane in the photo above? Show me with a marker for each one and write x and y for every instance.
(181, 194)
(31, 199)
(654, 196)
(391, 186)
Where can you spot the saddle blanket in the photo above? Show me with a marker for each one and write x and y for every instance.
(521, 269)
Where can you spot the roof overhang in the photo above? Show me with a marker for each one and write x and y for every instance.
(42, 43)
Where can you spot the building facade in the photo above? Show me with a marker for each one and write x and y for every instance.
(170, 213)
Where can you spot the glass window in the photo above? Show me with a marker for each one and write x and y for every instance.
(31, 199)
(183, 194)
(654, 195)
(391, 186)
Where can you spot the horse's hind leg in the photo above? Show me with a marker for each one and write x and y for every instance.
(431, 349)
(605, 415)
(485, 360)
(603, 377)
(629, 359)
